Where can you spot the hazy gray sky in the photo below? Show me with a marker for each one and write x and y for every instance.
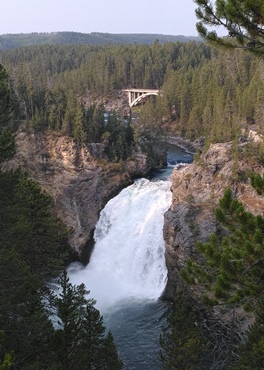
(172, 17)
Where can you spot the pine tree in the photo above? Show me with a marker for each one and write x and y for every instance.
(257, 181)
(183, 344)
(79, 339)
(95, 123)
(5, 99)
(251, 353)
(233, 269)
(7, 143)
(109, 354)
(23, 317)
(8, 358)
(67, 125)
(243, 20)
(55, 105)
(28, 225)
(78, 129)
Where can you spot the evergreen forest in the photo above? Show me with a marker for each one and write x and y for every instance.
(205, 92)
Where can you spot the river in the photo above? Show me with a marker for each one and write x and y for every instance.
(127, 272)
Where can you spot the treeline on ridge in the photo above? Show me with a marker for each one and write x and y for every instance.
(12, 41)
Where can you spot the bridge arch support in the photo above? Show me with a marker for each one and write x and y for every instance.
(136, 95)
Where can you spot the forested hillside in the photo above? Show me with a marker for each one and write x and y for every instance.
(205, 91)
(12, 41)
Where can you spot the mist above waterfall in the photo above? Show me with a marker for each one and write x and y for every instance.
(128, 262)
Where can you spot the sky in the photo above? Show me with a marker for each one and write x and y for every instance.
(167, 17)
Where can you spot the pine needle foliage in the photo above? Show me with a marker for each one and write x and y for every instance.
(242, 19)
(257, 181)
(251, 353)
(232, 272)
(80, 338)
(182, 343)
(7, 144)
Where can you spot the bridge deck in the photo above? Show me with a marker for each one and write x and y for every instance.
(141, 90)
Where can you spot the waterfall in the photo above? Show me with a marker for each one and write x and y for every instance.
(127, 263)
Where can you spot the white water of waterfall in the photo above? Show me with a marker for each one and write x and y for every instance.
(127, 272)
(127, 263)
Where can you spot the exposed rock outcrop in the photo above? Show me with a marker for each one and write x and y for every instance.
(80, 180)
(196, 190)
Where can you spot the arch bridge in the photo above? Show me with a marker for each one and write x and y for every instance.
(136, 95)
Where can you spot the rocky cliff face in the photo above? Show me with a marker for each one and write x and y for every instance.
(80, 180)
(196, 190)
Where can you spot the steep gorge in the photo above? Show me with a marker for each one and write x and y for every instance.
(80, 179)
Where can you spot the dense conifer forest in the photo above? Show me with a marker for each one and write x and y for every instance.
(205, 92)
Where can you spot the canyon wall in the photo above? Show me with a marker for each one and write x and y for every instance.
(80, 179)
(196, 190)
